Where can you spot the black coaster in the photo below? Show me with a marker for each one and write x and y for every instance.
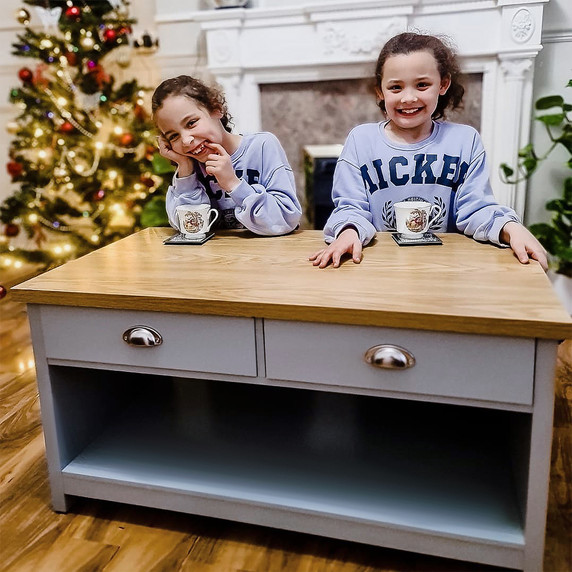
(180, 238)
(424, 239)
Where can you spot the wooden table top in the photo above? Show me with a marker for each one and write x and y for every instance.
(461, 286)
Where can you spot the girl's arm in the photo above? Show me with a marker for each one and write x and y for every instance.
(480, 216)
(477, 213)
(270, 206)
(184, 191)
(351, 204)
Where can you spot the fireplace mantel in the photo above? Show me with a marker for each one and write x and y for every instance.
(315, 42)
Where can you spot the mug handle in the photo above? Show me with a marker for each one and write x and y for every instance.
(438, 210)
(211, 222)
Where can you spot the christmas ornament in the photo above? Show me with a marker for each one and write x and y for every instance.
(23, 16)
(12, 127)
(14, 169)
(140, 112)
(11, 230)
(48, 17)
(73, 13)
(3, 292)
(26, 75)
(39, 79)
(71, 58)
(148, 181)
(110, 35)
(99, 75)
(66, 127)
(98, 195)
(126, 139)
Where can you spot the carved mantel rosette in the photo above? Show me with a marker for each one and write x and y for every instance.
(336, 40)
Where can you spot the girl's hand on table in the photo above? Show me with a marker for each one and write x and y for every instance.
(524, 244)
(219, 164)
(348, 242)
(186, 164)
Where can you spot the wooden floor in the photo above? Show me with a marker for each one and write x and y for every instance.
(102, 536)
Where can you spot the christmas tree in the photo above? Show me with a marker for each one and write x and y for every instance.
(83, 154)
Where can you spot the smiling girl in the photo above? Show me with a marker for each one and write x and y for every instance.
(414, 155)
(246, 177)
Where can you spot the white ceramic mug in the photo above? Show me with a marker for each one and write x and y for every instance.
(196, 220)
(413, 218)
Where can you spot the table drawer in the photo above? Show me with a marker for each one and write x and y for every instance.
(451, 365)
(189, 342)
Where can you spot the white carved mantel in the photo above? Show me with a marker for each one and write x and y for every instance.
(314, 42)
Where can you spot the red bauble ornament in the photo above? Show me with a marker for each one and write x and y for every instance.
(14, 169)
(3, 292)
(110, 35)
(73, 13)
(71, 57)
(11, 230)
(66, 127)
(139, 112)
(126, 139)
(26, 75)
(98, 195)
(148, 181)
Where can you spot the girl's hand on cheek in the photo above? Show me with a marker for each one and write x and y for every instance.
(186, 164)
(218, 163)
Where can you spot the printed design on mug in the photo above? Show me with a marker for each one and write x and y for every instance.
(388, 213)
(416, 221)
(193, 222)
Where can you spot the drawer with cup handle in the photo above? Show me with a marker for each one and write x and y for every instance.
(466, 366)
(194, 343)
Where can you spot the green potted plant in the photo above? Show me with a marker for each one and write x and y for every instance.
(556, 235)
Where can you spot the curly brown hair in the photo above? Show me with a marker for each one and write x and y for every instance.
(447, 64)
(211, 98)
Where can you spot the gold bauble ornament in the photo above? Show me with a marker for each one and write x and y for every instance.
(23, 16)
(12, 127)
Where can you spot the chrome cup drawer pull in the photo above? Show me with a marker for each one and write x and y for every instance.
(142, 337)
(388, 356)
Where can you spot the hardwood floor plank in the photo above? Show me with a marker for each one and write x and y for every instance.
(68, 554)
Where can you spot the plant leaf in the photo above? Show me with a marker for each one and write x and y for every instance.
(554, 119)
(529, 165)
(506, 170)
(154, 213)
(549, 101)
(568, 190)
(161, 166)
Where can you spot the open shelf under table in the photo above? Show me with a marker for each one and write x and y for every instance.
(431, 468)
